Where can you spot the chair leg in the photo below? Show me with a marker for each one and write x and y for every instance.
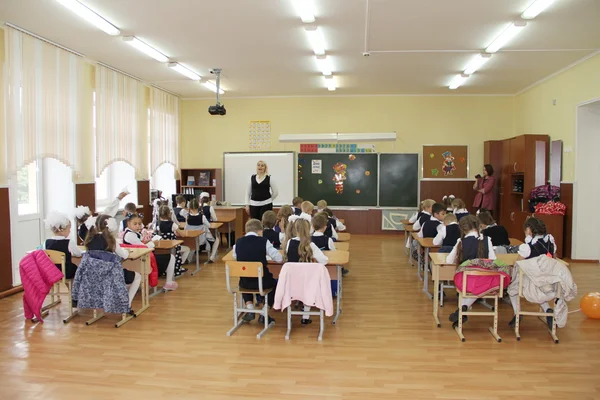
(265, 313)
(459, 327)
(70, 300)
(518, 318)
(289, 322)
(236, 321)
(95, 318)
(553, 331)
(494, 330)
(322, 322)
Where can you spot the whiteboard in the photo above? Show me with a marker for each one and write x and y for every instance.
(239, 167)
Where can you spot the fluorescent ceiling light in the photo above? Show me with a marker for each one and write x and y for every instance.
(458, 81)
(536, 8)
(184, 71)
(509, 33)
(315, 37)
(476, 63)
(213, 87)
(144, 48)
(305, 10)
(330, 82)
(308, 137)
(90, 16)
(324, 64)
(365, 137)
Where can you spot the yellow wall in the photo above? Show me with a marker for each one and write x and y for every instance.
(417, 120)
(534, 112)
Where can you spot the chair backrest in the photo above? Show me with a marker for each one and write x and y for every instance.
(58, 257)
(243, 269)
(482, 273)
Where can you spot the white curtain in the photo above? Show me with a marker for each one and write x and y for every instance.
(120, 121)
(44, 93)
(164, 129)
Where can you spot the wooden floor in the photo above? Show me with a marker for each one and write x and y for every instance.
(385, 346)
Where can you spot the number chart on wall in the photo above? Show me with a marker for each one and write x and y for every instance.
(445, 162)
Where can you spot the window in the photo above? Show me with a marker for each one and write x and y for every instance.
(27, 191)
(115, 178)
(164, 180)
(58, 189)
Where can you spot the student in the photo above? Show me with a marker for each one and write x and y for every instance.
(165, 262)
(425, 214)
(300, 248)
(60, 226)
(472, 245)
(497, 233)
(169, 230)
(448, 234)
(330, 231)
(320, 224)
(537, 243)
(307, 210)
(460, 209)
(430, 228)
(269, 220)
(282, 219)
(297, 205)
(254, 247)
(207, 209)
(196, 221)
(321, 205)
(180, 211)
(130, 208)
(334, 221)
(447, 200)
(102, 236)
(82, 213)
(415, 217)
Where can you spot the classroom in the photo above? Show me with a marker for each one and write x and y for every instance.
(289, 199)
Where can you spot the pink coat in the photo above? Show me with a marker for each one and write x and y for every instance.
(309, 283)
(487, 199)
(38, 274)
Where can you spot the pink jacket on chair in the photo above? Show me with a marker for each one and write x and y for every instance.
(38, 274)
(309, 283)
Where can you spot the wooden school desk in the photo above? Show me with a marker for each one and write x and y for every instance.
(192, 240)
(515, 242)
(343, 237)
(342, 246)
(227, 215)
(427, 245)
(139, 261)
(337, 259)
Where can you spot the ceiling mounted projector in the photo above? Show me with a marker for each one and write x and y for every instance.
(217, 109)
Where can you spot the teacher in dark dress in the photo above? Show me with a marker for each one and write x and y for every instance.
(261, 192)
(485, 186)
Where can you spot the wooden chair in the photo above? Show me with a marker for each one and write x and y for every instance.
(539, 314)
(241, 269)
(58, 257)
(463, 294)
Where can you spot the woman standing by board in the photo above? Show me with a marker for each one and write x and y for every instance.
(261, 192)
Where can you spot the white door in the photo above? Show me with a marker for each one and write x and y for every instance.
(26, 214)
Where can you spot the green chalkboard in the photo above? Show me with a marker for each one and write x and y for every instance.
(399, 180)
(359, 188)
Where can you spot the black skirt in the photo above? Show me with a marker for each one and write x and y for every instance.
(162, 262)
(129, 276)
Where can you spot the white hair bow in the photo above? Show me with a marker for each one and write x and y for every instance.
(444, 198)
(294, 217)
(112, 225)
(81, 211)
(57, 221)
(90, 222)
(452, 197)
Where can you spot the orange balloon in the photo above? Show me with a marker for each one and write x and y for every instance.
(590, 305)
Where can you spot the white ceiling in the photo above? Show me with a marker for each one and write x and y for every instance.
(416, 46)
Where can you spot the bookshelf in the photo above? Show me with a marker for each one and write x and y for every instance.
(197, 180)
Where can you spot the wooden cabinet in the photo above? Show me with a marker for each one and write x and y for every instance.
(196, 181)
(517, 154)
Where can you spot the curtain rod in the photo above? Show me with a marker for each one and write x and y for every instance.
(18, 28)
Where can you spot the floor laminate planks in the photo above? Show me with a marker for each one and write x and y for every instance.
(385, 346)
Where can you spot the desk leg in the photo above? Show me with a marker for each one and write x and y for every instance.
(339, 295)
(407, 241)
(154, 292)
(197, 251)
(419, 260)
(426, 274)
(229, 235)
(436, 288)
(145, 289)
(410, 255)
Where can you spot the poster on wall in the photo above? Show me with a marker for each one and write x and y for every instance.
(337, 148)
(445, 161)
(259, 135)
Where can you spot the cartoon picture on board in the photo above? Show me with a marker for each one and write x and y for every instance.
(448, 165)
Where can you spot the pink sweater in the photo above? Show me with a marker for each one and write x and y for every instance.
(38, 274)
(309, 283)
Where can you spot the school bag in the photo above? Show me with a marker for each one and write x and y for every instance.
(543, 194)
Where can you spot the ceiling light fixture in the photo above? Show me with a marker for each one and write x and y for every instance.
(184, 71)
(213, 87)
(315, 37)
(144, 48)
(330, 82)
(476, 63)
(506, 36)
(324, 64)
(305, 10)
(90, 16)
(457, 81)
(536, 8)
